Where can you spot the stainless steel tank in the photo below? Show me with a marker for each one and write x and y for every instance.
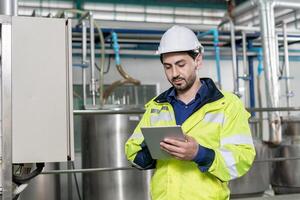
(46, 187)
(257, 180)
(103, 140)
(291, 128)
(286, 174)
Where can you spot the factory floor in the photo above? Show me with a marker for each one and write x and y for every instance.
(276, 197)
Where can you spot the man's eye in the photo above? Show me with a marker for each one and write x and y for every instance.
(181, 65)
(167, 67)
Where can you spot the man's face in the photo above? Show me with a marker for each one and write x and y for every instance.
(181, 69)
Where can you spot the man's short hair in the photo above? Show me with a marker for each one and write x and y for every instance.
(192, 53)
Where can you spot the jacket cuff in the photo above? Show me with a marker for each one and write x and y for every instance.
(143, 158)
(204, 158)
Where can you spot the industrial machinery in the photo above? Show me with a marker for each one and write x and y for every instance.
(286, 176)
(103, 139)
(257, 180)
(36, 111)
(39, 109)
(46, 187)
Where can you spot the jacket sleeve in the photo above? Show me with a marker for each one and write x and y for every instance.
(236, 152)
(135, 148)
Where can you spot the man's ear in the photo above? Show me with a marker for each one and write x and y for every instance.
(198, 61)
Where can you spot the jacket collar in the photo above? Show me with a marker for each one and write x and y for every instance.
(212, 95)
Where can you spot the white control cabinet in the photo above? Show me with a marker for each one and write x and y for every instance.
(42, 113)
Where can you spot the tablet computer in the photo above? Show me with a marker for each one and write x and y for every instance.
(154, 135)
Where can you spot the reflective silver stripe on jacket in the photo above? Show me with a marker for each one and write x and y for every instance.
(137, 136)
(215, 118)
(154, 110)
(230, 162)
(135, 165)
(237, 139)
(163, 116)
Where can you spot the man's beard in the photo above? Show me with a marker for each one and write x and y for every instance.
(186, 85)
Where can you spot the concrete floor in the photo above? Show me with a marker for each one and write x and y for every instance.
(277, 197)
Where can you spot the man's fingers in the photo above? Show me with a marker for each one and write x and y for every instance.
(170, 147)
(175, 154)
(174, 142)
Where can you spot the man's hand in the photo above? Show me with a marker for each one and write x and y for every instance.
(182, 150)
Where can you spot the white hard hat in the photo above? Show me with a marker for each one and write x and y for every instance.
(179, 38)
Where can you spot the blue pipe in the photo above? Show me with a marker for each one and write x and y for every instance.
(259, 52)
(215, 34)
(260, 69)
(251, 83)
(203, 34)
(80, 65)
(116, 48)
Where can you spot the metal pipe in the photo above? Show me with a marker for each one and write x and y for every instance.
(217, 52)
(6, 109)
(295, 21)
(258, 81)
(102, 63)
(294, 4)
(259, 100)
(69, 182)
(252, 81)
(277, 54)
(9, 7)
(251, 84)
(280, 15)
(285, 17)
(279, 159)
(244, 42)
(116, 48)
(92, 59)
(266, 10)
(88, 170)
(233, 55)
(84, 16)
(127, 78)
(245, 69)
(257, 29)
(241, 9)
(84, 61)
(224, 53)
(114, 111)
(244, 7)
(215, 34)
(273, 109)
(270, 66)
(250, 4)
(287, 66)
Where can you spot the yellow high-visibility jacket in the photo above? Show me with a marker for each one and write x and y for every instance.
(221, 124)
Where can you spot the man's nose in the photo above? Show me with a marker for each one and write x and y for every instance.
(175, 71)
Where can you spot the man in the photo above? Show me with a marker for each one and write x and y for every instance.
(218, 146)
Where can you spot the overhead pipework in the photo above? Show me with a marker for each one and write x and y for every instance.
(215, 34)
(127, 79)
(9, 7)
(112, 125)
(86, 21)
(233, 53)
(271, 59)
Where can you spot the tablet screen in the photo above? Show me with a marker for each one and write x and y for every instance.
(154, 135)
